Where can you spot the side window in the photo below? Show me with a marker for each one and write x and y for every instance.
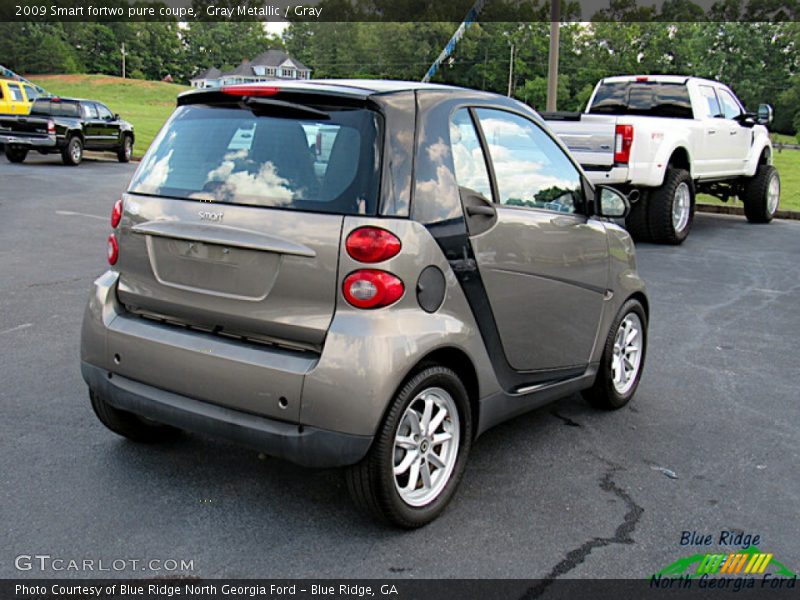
(530, 168)
(104, 113)
(711, 103)
(31, 93)
(16, 92)
(730, 108)
(468, 158)
(89, 111)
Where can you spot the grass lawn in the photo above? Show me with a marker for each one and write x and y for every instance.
(784, 139)
(788, 164)
(146, 104)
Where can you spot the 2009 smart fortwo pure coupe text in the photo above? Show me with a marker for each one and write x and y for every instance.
(360, 274)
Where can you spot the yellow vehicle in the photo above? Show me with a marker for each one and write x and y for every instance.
(16, 97)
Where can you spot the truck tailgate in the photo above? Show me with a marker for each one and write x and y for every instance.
(23, 126)
(590, 139)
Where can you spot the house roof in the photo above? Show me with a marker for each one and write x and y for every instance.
(246, 68)
(275, 58)
(212, 73)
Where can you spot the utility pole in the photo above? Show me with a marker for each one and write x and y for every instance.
(552, 63)
(123, 60)
(511, 71)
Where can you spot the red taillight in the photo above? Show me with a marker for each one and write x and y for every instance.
(113, 249)
(372, 244)
(51, 127)
(622, 143)
(250, 90)
(641, 79)
(372, 289)
(116, 213)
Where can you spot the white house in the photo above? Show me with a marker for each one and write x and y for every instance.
(267, 66)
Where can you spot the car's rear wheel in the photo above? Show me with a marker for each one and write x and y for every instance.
(72, 154)
(419, 454)
(16, 155)
(125, 151)
(671, 208)
(762, 194)
(623, 359)
(130, 425)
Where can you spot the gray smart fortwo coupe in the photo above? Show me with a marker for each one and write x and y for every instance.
(366, 274)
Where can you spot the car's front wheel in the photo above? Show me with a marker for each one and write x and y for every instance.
(623, 359)
(16, 155)
(125, 151)
(130, 425)
(419, 454)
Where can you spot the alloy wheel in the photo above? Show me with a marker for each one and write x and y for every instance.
(627, 358)
(426, 446)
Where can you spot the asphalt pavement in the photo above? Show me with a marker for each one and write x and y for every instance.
(710, 443)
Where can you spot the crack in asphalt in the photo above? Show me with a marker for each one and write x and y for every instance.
(622, 535)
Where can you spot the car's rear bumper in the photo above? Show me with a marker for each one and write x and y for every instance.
(607, 175)
(32, 142)
(303, 445)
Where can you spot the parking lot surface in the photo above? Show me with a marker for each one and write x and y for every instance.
(710, 443)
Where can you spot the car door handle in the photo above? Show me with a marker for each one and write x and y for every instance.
(711, 131)
(734, 132)
(483, 210)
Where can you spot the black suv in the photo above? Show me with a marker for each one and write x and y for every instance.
(66, 126)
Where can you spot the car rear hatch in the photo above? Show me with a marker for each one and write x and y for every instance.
(232, 224)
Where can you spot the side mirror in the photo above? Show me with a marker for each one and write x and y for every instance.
(765, 114)
(116, 117)
(611, 203)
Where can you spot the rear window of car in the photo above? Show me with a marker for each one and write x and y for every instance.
(233, 155)
(55, 108)
(643, 98)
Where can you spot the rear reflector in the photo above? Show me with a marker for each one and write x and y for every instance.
(372, 244)
(116, 213)
(623, 139)
(250, 90)
(372, 289)
(113, 249)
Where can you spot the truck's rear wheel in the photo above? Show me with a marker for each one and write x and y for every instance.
(637, 221)
(671, 209)
(16, 155)
(72, 154)
(761, 195)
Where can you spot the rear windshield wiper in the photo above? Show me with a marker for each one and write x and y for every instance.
(283, 108)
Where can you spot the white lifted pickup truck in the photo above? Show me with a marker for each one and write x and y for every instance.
(662, 139)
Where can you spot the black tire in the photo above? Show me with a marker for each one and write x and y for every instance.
(660, 207)
(636, 222)
(371, 482)
(72, 154)
(604, 394)
(16, 155)
(756, 195)
(129, 425)
(125, 151)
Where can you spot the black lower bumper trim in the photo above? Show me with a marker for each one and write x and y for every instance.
(303, 445)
